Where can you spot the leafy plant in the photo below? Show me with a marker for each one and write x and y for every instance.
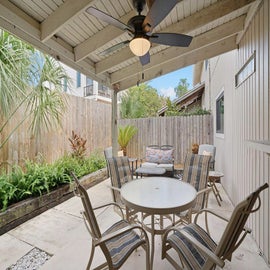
(38, 177)
(77, 145)
(125, 134)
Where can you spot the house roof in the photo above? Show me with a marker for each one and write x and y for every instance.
(63, 29)
(187, 99)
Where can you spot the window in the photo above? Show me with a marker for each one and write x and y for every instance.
(89, 81)
(78, 79)
(247, 70)
(220, 114)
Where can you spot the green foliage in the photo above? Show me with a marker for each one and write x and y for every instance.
(125, 134)
(23, 74)
(140, 101)
(196, 111)
(14, 70)
(181, 88)
(39, 178)
(172, 109)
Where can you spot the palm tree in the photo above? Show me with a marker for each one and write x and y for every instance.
(23, 73)
(46, 103)
(14, 69)
(125, 134)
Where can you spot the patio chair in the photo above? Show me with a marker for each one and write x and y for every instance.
(118, 241)
(196, 248)
(108, 154)
(159, 157)
(120, 173)
(209, 150)
(196, 168)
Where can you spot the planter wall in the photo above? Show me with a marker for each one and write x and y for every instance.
(29, 208)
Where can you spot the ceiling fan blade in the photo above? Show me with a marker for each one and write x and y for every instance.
(145, 59)
(171, 39)
(158, 11)
(108, 19)
(114, 47)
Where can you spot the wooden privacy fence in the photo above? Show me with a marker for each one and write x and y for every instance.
(179, 131)
(89, 119)
(92, 121)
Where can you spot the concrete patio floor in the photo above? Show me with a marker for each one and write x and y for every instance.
(61, 233)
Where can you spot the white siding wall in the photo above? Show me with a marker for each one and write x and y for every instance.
(247, 117)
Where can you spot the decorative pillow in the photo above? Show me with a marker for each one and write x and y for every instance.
(159, 156)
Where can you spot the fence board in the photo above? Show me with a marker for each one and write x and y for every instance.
(88, 118)
(92, 120)
(179, 131)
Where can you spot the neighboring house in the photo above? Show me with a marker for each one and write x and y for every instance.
(83, 86)
(237, 92)
(192, 99)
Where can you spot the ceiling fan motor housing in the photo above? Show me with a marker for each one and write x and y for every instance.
(137, 23)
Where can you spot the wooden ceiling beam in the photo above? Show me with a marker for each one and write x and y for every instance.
(18, 23)
(185, 26)
(191, 58)
(61, 16)
(228, 29)
(100, 39)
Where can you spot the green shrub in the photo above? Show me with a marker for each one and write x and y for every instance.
(38, 177)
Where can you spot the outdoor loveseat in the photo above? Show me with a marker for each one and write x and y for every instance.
(160, 157)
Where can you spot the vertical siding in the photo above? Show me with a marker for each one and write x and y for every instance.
(254, 93)
(248, 119)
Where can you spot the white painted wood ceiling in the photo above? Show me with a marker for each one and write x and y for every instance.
(63, 29)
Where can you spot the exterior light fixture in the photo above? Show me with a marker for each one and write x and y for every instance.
(139, 46)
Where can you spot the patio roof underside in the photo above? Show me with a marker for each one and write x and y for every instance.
(63, 29)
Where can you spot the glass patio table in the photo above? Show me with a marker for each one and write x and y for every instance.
(157, 196)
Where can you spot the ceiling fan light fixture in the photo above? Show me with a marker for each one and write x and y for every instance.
(139, 46)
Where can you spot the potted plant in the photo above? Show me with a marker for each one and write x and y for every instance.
(125, 134)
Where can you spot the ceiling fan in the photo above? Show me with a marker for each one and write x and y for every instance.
(140, 27)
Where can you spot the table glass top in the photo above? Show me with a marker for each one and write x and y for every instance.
(158, 193)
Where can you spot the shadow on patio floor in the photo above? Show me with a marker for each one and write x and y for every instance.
(61, 233)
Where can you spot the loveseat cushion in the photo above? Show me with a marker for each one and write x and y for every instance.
(159, 156)
(167, 167)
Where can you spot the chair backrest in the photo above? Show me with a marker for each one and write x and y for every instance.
(166, 147)
(108, 154)
(208, 150)
(89, 214)
(153, 146)
(196, 168)
(231, 239)
(120, 173)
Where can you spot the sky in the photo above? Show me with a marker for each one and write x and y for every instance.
(165, 84)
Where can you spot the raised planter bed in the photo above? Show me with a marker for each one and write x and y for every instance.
(22, 211)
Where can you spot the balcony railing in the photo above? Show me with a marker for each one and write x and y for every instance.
(103, 91)
(88, 90)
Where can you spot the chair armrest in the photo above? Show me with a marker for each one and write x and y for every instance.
(114, 188)
(109, 204)
(205, 190)
(206, 210)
